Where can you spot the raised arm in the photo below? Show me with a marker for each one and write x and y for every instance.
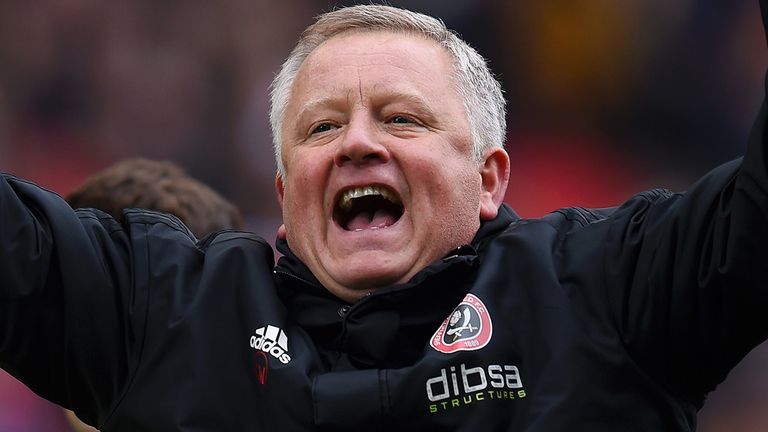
(688, 273)
(67, 300)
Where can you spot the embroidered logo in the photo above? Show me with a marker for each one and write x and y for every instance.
(467, 328)
(271, 340)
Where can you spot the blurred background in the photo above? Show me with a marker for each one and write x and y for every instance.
(606, 98)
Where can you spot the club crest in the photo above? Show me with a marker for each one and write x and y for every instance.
(467, 328)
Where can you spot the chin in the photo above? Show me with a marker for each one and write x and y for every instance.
(370, 279)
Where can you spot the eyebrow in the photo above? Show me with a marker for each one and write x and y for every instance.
(321, 102)
(379, 99)
(410, 98)
(414, 101)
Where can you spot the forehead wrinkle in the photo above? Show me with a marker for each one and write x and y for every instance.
(332, 100)
(360, 87)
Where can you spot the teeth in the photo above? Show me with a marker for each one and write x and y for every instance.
(359, 192)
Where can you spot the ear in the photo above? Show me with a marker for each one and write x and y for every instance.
(280, 188)
(281, 233)
(494, 174)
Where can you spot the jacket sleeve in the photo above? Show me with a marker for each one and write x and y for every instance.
(687, 274)
(68, 311)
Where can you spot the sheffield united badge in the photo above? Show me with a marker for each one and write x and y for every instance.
(467, 328)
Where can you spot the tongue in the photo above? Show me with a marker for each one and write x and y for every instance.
(369, 220)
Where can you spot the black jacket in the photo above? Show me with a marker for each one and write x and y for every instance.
(585, 320)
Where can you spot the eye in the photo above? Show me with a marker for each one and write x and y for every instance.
(399, 119)
(323, 127)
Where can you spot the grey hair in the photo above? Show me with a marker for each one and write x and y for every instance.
(481, 92)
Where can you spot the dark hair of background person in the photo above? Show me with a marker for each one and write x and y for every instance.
(160, 186)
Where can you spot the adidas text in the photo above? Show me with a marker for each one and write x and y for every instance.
(271, 340)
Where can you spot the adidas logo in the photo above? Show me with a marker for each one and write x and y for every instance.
(272, 340)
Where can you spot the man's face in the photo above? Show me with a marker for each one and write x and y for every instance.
(379, 178)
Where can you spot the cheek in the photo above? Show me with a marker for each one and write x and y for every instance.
(296, 215)
(446, 178)
(460, 182)
(304, 191)
(305, 171)
(461, 203)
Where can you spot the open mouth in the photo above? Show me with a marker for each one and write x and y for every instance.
(367, 207)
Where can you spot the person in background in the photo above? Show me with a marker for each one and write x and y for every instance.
(159, 186)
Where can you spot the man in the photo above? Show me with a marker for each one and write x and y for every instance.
(407, 296)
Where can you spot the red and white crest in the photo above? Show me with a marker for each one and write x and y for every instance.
(467, 328)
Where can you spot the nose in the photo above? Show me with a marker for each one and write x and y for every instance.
(360, 145)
